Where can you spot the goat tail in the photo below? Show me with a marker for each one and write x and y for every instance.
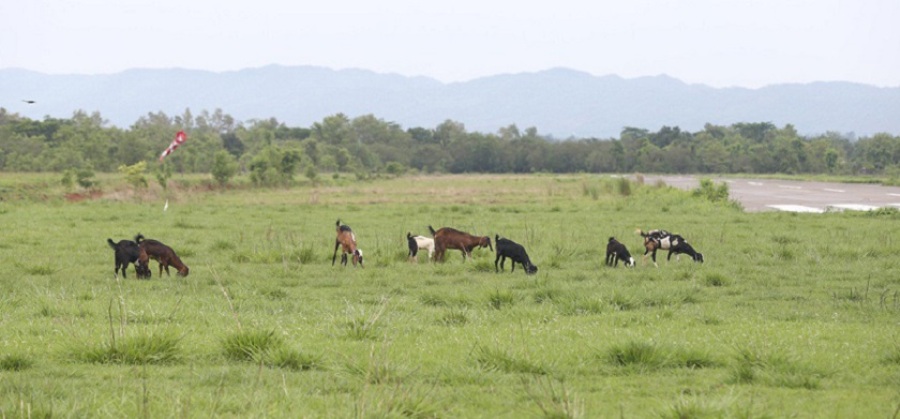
(138, 238)
(431, 229)
(111, 243)
(641, 232)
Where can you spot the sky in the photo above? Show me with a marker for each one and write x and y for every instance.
(720, 43)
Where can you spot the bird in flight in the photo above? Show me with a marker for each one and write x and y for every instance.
(28, 101)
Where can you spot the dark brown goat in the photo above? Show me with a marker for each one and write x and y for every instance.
(346, 240)
(152, 249)
(450, 238)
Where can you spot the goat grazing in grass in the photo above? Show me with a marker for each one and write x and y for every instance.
(615, 252)
(127, 251)
(450, 238)
(416, 243)
(346, 240)
(507, 248)
(153, 249)
(661, 239)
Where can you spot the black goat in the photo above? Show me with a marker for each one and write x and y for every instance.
(615, 252)
(678, 245)
(509, 249)
(127, 252)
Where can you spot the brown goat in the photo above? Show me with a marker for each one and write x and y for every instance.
(346, 240)
(152, 249)
(450, 238)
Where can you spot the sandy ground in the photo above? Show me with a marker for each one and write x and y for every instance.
(799, 196)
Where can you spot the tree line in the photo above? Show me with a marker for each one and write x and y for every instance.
(272, 152)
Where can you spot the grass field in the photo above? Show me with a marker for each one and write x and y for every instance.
(792, 315)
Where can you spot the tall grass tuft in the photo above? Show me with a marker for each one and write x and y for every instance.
(715, 279)
(638, 355)
(151, 348)
(553, 400)
(397, 401)
(454, 317)
(500, 299)
(493, 359)
(623, 186)
(591, 189)
(252, 345)
(362, 326)
(893, 355)
(579, 305)
(283, 357)
(483, 265)
(45, 269)
(15, 362)
(694, 359)
(306, 255)
(776, 370)
(692, 408)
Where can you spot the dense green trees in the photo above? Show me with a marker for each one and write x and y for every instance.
(272, 153)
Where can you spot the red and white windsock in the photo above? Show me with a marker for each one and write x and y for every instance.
(180, 138)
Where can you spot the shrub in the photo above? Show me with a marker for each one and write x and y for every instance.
(134, 174)
(224, 167)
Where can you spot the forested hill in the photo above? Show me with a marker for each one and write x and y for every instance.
(559, 102)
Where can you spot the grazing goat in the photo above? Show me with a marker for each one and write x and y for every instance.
(507, 248)
(417, 243)
(161, 253)
(449, 238)
(127, 252)
(615, 252)
(661, 239)
(346, 240)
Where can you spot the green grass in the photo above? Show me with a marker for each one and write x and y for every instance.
(791, 315)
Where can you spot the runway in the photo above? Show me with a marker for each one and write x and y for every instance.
(796, 196)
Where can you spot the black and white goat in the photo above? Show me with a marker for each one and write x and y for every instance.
(616, 251)
(507, 248)
(661, 239)
(416, 243)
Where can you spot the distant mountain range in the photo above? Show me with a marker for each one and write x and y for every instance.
(562, 103)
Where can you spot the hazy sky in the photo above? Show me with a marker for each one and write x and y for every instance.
(747, 43)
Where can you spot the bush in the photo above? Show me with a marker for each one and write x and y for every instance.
(224, 167)
(134, 174)
(711, 192)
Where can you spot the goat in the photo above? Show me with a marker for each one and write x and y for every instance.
(161, 253)
(346, 240)
(450, 238)
(127, 251)
(616, 251)
(417, 243)
(661, 239)
(507, 248)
